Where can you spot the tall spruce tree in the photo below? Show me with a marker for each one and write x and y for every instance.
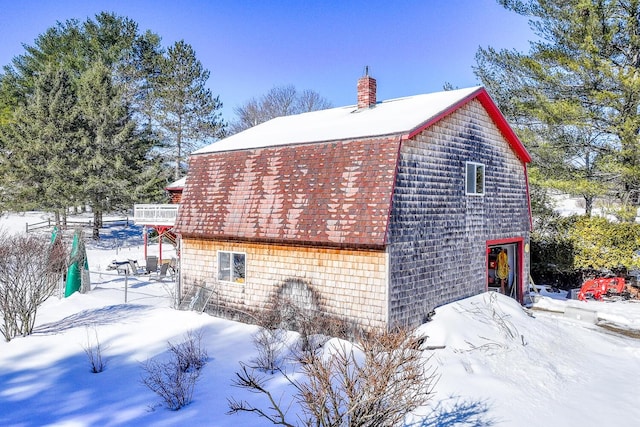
(40, 159)
(574, 97)
(189, 114)
(112, 153)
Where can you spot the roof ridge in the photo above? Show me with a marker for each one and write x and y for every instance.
(389, 117)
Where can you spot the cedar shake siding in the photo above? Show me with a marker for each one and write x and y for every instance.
(437, 234)
(348, 284)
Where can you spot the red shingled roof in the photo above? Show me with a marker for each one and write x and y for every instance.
(336, 193)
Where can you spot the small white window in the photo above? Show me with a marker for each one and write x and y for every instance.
(475, 178)
(231, 266)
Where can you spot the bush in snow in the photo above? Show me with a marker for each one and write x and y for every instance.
(270, 344)
(189, 354)
(375, 382)
(93, 350)
(30, 270)
(174, 379)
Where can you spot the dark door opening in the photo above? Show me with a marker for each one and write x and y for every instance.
(503, 268)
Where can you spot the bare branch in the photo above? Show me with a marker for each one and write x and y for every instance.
(377, 381)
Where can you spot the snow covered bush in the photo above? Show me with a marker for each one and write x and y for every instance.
(375, 382)
(174, 379)
(30, 270)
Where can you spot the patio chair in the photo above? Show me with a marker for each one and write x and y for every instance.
(173, 267)
(162, 274)
(135, 269)
(125, 267)
(152, 264)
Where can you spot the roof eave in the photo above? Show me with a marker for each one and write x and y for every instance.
(362, 245)
(291, 144)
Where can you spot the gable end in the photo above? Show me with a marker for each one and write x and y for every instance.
(493, 111)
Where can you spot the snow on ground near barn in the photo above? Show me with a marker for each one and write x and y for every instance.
(499, 364)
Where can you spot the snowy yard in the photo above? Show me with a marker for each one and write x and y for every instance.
(498, 363)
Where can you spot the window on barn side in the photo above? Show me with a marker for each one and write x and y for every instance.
(231, 266)
(475, 178)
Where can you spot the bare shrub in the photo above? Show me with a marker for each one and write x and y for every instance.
(169, 382)
(172, 292)
(270, 344)
(174, 379)
(376, 382)
(490, 312)
(189, 354)
(93, 349)
(296, 306)
(30, 270)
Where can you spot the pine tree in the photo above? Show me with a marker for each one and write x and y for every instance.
(132, 62)
(112, 153)
(574, 97)
(188, 112)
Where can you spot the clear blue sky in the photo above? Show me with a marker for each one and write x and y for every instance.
(411, 47)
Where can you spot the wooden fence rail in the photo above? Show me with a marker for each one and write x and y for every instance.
(71, 223)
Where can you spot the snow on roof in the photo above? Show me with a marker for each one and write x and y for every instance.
(395, 116)
(177, 184)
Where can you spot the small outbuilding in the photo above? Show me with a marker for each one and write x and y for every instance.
(375, 213)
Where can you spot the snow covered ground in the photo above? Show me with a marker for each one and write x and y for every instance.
(499, 364)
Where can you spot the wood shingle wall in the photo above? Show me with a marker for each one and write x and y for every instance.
(437, 234)
(349, 284)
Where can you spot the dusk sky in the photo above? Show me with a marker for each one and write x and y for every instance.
(411, 47)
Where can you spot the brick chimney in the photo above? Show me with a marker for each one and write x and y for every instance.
(366, 90)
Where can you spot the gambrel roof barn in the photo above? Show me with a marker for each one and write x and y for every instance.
(375, 213)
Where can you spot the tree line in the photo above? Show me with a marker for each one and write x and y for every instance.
(99, 114)
(574, 101)
(93, 112)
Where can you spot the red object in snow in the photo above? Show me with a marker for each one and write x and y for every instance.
(598, 288)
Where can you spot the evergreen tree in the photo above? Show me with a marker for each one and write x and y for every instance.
(40, 159)
(112, 153)
(6, 111)
(133, 62)
(574, 97)
(188, 112)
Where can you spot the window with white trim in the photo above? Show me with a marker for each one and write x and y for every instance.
(475, 179)
(231, 266)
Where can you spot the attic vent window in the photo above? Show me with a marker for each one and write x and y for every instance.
(231, 266)
(475, 179)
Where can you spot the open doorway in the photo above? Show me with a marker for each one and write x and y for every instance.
(503, 266)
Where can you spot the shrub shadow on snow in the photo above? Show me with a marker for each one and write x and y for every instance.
(139, 284)
(456, 411)
(68, 393)
(88, 318)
